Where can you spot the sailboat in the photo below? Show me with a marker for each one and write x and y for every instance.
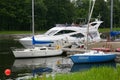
(92, 56)
(37, 51)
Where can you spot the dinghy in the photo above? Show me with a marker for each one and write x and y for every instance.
(102, 49)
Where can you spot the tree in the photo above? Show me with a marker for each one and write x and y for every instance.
(59, 11)
(102, 9)
(40, 15)
(14, 14)
(116, 13)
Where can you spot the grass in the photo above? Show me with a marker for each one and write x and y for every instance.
(19, 32)
(101, 30)
(100, 73)
(108, 29)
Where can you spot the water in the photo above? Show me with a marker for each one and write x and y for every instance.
(26, 68)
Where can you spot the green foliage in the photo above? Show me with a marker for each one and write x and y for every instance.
(101, 9)
(20, 32)
(16, 14)
(82, 8)
(102, 30)
(59, 11)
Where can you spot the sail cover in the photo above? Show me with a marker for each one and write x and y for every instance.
(114, 33)
(40, 42)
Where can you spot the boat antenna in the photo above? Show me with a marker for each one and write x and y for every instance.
(89, 7)
(89, 17)
(111, 17)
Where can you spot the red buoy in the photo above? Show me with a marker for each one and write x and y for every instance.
(7, 72)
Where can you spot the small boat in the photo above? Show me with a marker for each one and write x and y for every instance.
(37, 52)
(92, 56)
(102, 49)
(117, 50)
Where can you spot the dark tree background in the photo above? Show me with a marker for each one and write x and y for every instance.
(16, 14)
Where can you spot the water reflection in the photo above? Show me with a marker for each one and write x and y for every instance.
(40, 65)
(84, 67)
(41, 70)
(51, 65)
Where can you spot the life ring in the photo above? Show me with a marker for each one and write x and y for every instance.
(58, 47)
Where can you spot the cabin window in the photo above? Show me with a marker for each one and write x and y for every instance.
(93, 24)
(43, 49)
(78, 35)
(64, 32)
(52, 32)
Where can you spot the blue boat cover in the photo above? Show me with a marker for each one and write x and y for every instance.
(40, 42)
(114, 33)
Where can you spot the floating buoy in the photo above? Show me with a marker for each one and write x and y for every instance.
(7, 72)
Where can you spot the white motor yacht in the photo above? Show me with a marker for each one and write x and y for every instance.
(62, 34)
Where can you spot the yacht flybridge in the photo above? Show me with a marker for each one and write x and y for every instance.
(64, 34)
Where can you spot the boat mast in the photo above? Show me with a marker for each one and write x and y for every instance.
(89, 17)
(33, 22)
(32, 17)
(89, 7)
(111, 16)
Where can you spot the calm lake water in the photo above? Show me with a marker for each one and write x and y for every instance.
(23, 68)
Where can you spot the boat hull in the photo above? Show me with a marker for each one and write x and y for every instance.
(27, 43)
(92, 58)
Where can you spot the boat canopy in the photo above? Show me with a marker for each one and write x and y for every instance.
(114, 33)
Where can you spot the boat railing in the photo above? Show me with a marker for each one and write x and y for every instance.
(63, 25)
(93, 23)
(17, 49)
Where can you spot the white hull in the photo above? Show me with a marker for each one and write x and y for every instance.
(36, 52)
(27, 43)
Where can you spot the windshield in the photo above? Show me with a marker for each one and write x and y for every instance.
(56, 32)
(51, 32)
(78, 35)
(64, 32)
